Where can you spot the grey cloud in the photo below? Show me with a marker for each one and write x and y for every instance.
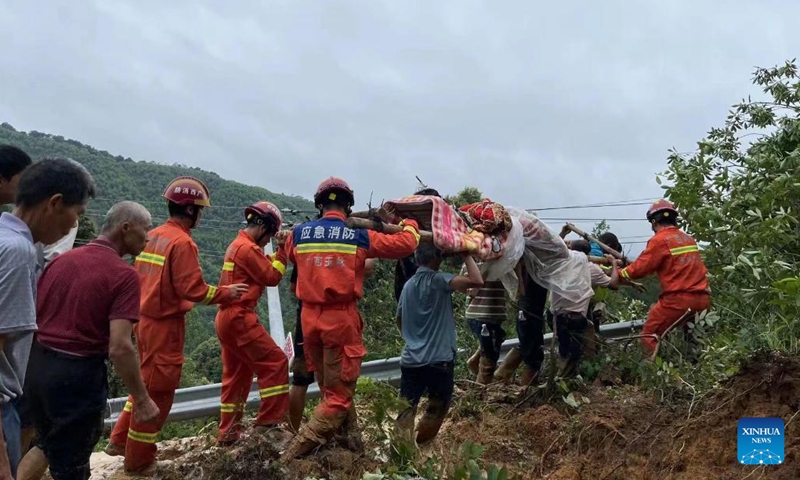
(538, 105)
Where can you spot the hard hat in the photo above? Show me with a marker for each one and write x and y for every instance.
(264, 210)
(332, 187)
(187, 191)
(661, 206)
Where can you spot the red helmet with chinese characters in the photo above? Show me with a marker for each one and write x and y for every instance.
(264, 211)
(331, 189)
(187, 191)
(661, 206)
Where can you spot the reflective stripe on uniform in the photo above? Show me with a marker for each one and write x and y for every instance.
(279, 266)
(682, 250)
(142, 437)
(153, 258)
(128, 407)
(212, 290)
(327, 248)
(624, 273)
(227, 267)
(409, 228)
(227, 407)
(273, 391)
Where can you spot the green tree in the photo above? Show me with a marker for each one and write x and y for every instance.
(739, 195)
(600, 228)
(466, 196)
(207, 359)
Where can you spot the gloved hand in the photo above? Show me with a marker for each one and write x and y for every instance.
(410, 222)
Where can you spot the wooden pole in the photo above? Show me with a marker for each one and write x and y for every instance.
(602, 245)
(356, 222)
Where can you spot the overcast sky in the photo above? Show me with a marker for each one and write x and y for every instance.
(538, 105)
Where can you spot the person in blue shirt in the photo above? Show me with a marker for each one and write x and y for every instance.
(426, 321)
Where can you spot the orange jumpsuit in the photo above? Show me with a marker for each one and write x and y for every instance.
(171, 283)
(247, 348)
(329, 258)
(675, 258)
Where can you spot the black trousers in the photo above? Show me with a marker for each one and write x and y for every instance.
(530, 331)
(67, 400)
(436, 379)
(571, 328)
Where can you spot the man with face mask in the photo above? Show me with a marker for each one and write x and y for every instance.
(247, 348)
(49, 197)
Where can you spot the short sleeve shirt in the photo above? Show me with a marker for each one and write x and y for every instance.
(80, 292)
(18, 272)
(428, 324)
(559, 304)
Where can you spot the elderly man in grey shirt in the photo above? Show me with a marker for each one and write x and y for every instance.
(50, 196)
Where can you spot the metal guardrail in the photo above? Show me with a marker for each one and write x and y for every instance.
(203, 401)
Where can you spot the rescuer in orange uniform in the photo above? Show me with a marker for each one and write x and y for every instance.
(171, 283)
(247, 348)
(675, 258)
(329, 257)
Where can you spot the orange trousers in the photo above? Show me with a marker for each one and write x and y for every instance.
(333, 349)
(160, 345)
(667, 311)
(247, 348)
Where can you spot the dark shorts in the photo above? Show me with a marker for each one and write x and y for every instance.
(571, 328)
(490, 344)
(301, 377)
(436, 379)
(67, 400)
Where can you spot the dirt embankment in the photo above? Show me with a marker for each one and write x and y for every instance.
(619, 434)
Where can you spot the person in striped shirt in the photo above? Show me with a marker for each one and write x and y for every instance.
(486, 312)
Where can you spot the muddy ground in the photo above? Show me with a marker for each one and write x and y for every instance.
(621, 433)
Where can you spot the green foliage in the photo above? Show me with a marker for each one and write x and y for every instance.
(600, 228)
(739, 195)
(207, 359)
(120, 178)
(466, 196)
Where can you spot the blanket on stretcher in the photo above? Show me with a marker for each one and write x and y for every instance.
(451, 232)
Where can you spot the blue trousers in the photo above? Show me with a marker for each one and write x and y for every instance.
(11, 432)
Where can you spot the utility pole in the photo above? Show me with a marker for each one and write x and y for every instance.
(274, 308)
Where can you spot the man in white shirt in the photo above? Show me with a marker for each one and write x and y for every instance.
(571, 316)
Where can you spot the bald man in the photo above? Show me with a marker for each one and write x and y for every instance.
(87, 305)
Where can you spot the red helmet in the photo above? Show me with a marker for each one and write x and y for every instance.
(188, 191)
(329, 189)
(661, 206)
(264, 210)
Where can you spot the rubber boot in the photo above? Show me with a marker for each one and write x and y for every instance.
(404, 424)
(349, 435)
(529, 376)
(472, 363)
(505, 372)
(315, 434)
(485, 371)
(431, 421)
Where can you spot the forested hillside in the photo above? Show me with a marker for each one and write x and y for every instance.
(120, 178)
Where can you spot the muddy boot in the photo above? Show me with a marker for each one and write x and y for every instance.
(274, 434)
(569, 367)
(349, 435)
(529, 377)
(316, 433)
(472, 363)
(114, 450)
(404, 425)
(485, 371)
(505, 372)
(431, 421)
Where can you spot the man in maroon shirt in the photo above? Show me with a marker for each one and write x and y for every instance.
(87, 304)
